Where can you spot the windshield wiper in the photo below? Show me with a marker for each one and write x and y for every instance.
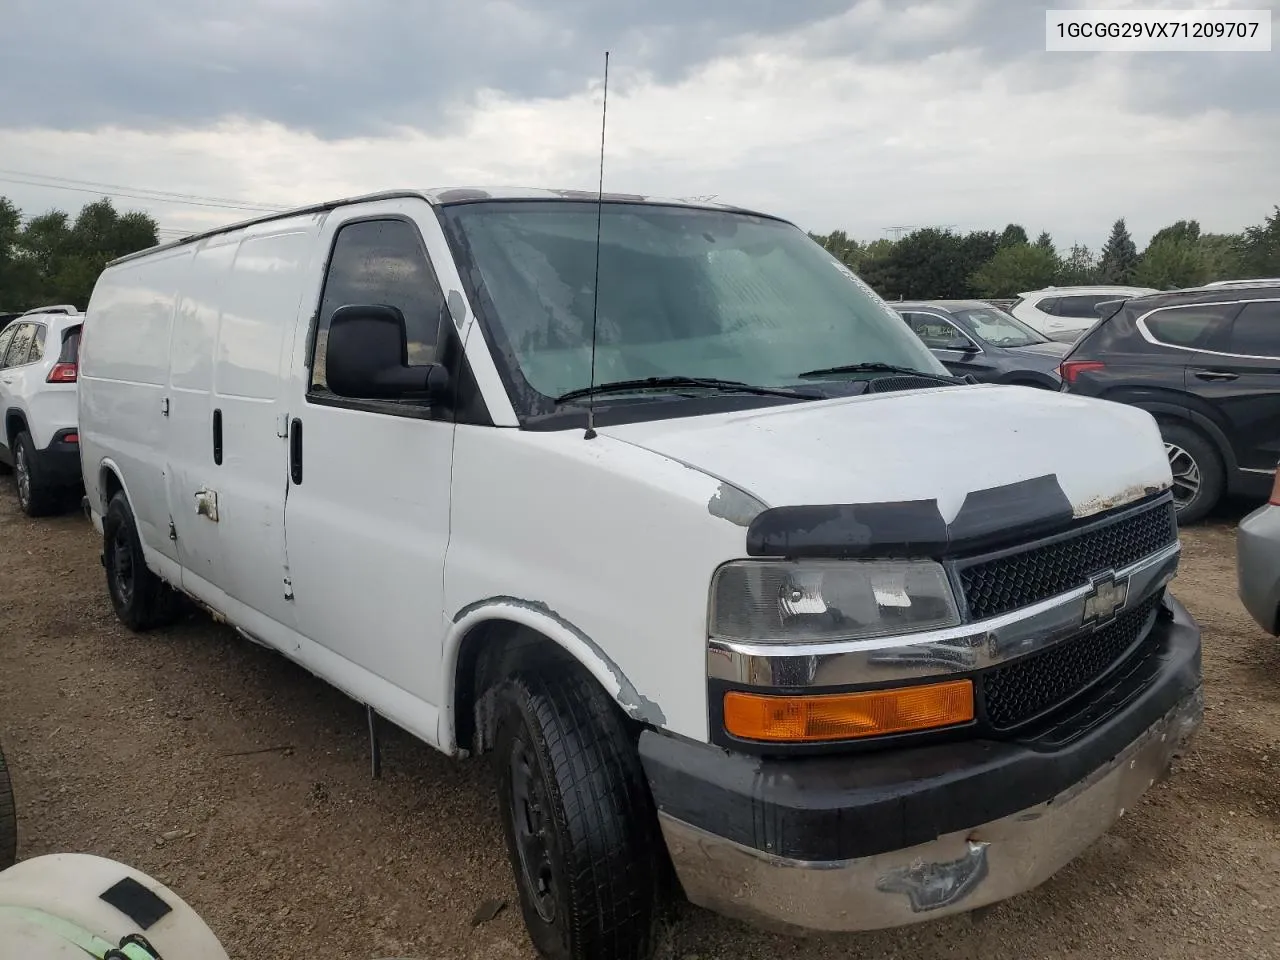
(875, 367)
(675, 383)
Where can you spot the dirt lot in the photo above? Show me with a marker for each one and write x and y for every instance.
(118, 742)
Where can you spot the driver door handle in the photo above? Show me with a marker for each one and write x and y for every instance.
(1215, 375)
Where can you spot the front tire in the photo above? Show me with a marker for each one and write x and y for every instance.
(141, 600)
(581, 830)
(1198, 475)
(35, 496)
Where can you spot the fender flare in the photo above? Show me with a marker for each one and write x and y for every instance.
(539, 617)
(1199, 421)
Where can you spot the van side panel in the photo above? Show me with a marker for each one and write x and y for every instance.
(188, 447)
(124, 362)
(260, 305)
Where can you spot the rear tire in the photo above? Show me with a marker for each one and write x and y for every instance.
(1198, 475)
(35, 496)
(141, 600)
(582, 833)
(8, 820)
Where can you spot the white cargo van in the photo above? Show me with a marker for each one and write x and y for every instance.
(661, 505)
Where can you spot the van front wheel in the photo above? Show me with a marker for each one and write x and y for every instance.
(581, 831)
(140, 598)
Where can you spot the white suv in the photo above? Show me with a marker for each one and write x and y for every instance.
(1064, 313)
(38, 371)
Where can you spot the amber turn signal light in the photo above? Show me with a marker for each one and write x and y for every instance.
(846, 716)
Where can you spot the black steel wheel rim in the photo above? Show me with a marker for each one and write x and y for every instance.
(122, 565)
(530, 825)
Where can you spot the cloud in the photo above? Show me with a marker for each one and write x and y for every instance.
(882, 114)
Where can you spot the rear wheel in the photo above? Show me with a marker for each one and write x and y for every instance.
(581, 830)
(140, 598)
(35, 496)
(1198, 474)
(8, 820)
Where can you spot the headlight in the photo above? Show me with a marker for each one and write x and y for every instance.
(801, 602)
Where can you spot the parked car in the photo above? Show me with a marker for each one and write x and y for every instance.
(1064, 313)
(1258, 562)
(974, 338)
(38, 371)
(1206, 364)
(730, 575)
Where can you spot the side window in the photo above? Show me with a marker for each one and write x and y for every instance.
(935, 332)
(6, 338)
(1256, 332)
(1079, 307)
(37, 344)
(20, 346)
(1048, 305)
(70, 352)
(1190, 327)
(381, 262)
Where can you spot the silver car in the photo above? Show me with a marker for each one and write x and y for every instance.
(1258, 563)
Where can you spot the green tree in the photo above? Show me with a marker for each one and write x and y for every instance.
(1045, 242)
(927, 264)
(1260, 248)
(839, 245)
(1014, 235)
(10, 230)
(1119, 257)
(1171, 261)
(1187, 231)
(1220, 255)
(55, 260)
(1080, 267)
(1014, 270)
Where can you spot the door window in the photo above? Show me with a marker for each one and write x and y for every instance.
(1256, 332)
(20, 346)
(381, 262)
(1048, 305)
(6, 338)
(1191, 327)
(936, 333)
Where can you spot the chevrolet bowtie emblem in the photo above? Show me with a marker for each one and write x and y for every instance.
(1106, 597)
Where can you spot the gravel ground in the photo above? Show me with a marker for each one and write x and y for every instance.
(139, 749)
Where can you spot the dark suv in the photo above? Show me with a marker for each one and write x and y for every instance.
(1206, 363)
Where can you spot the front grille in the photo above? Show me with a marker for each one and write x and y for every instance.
(1007, 582)
(1024, 689)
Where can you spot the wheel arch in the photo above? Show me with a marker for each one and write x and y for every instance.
(15, 421)
(1184, 416)
(493, 636)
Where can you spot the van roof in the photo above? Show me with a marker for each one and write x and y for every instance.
(447, 196)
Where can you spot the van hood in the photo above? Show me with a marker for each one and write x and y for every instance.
(938, 444)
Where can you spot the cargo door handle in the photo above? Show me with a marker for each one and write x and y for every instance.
(1215, 375)
(217, 437)
(295, 451)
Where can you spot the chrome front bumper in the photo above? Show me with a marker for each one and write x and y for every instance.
(954, 873)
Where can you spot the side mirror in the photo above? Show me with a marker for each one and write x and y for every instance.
(960, 344)
(367, 357)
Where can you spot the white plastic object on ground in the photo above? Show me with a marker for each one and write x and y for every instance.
(45, 902)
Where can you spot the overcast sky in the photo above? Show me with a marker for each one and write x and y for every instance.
(860, 115)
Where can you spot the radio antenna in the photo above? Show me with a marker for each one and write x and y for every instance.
(595, 297)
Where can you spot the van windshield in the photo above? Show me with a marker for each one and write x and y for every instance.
(683, 292)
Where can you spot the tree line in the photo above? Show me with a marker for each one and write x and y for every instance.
(933, 264)
(51, 258)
